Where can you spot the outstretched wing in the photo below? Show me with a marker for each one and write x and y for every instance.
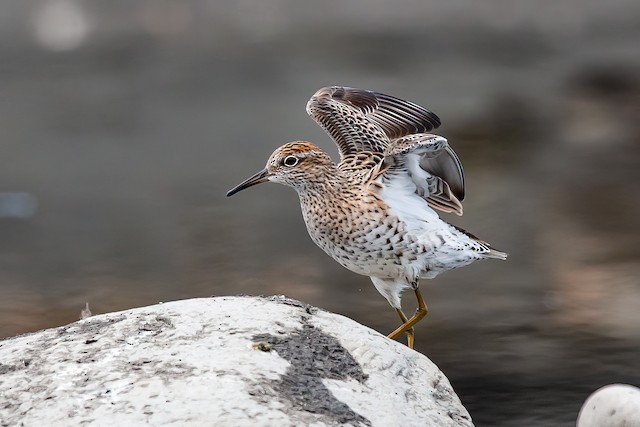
(432, 166)
(361, 120)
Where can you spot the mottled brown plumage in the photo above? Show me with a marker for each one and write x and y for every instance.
(372, 212)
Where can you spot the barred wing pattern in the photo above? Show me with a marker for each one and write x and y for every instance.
(361, 120)
(366, 124)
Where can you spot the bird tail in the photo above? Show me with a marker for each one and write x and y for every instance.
(491, 252)
(494, 253)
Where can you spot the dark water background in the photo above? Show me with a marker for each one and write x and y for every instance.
(122, 125)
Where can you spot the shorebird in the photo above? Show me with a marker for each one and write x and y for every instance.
(375, 211)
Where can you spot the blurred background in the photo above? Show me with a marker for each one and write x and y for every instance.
(123, 124)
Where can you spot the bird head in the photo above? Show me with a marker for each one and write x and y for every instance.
(296, 164)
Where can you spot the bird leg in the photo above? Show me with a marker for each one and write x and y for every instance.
(409, 332)
(408, 324)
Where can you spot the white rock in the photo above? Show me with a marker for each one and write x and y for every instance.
(615, 405)
(227, 361)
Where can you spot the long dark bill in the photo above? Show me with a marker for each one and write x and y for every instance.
(258, 178)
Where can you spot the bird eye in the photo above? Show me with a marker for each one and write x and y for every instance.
(290, 161)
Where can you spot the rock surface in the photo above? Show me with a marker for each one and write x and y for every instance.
(226, 361)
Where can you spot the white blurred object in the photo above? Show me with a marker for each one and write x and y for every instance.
(85, 312)
(60, 25)
(17, 205)
(614, 405)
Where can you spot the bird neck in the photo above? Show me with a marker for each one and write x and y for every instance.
(322, 186)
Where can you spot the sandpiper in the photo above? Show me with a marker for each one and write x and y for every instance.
(374, 212)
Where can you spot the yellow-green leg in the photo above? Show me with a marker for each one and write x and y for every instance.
(407, 326)
(409, 332)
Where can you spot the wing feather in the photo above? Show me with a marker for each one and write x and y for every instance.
(432, 165)
(361, 120)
